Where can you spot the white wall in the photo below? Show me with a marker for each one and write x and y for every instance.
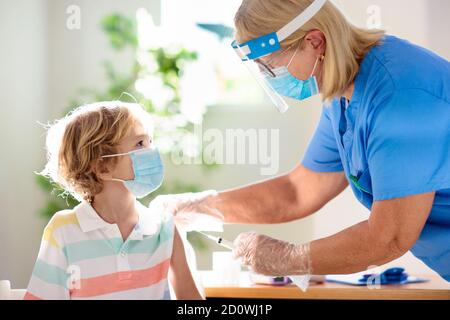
(402, 18)
(438, 26)
(23, 83)
(423, 22)
(77, 56)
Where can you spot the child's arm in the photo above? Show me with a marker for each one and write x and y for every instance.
(180, 275)
(49, 278)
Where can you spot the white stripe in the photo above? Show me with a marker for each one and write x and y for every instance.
(52, 255)
(47, 291)
(300, 20)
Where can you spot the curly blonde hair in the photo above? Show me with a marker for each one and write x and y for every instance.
(76, 142)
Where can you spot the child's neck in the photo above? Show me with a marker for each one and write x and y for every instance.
(117, 208)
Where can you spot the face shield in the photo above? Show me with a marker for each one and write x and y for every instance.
(250, 53)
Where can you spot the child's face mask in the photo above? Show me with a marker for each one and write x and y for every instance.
(148, 171)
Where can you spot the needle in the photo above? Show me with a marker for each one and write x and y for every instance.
(219, 240)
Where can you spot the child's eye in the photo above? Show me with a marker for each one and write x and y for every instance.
(140, 143)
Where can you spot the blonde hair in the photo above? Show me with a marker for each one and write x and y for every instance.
(346, 44)
(75, 142)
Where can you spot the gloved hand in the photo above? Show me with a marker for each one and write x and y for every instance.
(271, 257)
(191, 211)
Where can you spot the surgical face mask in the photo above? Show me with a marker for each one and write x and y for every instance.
(285, 84)
(148, 171)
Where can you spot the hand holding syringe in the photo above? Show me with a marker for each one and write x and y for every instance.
(300, 281)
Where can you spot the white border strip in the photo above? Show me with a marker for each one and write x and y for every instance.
(301, 19)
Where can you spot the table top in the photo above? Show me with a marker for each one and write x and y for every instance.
(435, 289)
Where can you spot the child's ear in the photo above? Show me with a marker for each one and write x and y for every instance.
(101, 169)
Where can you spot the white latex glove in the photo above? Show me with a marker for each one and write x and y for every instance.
(271, 257)
(190, 211)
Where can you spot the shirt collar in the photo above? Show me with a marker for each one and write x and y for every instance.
(149, 222)
(88, 218)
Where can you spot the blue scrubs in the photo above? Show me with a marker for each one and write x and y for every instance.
(393, 138)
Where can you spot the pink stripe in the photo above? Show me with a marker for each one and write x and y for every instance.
(30, 296)
(122, 281)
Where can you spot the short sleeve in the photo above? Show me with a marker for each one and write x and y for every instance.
(408, 147)
(322, 154)
(50, 277)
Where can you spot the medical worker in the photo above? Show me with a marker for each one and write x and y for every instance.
(384, 130)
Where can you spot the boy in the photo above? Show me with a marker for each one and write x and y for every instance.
(109, 246)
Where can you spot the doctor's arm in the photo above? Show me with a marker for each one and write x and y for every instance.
(290, 197)
(392, 229)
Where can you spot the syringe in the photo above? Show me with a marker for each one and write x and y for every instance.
(219, 240)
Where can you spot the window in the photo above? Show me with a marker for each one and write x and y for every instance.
(206, 26)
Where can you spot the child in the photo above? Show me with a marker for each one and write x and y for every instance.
(109, 246)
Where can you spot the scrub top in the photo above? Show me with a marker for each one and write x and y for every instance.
(392, 139)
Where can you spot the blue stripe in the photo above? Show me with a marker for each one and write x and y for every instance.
(50, 273)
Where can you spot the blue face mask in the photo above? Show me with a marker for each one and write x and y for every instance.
(286, 85)
(148, 171)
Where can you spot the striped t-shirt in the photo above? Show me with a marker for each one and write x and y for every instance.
(83, 257)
